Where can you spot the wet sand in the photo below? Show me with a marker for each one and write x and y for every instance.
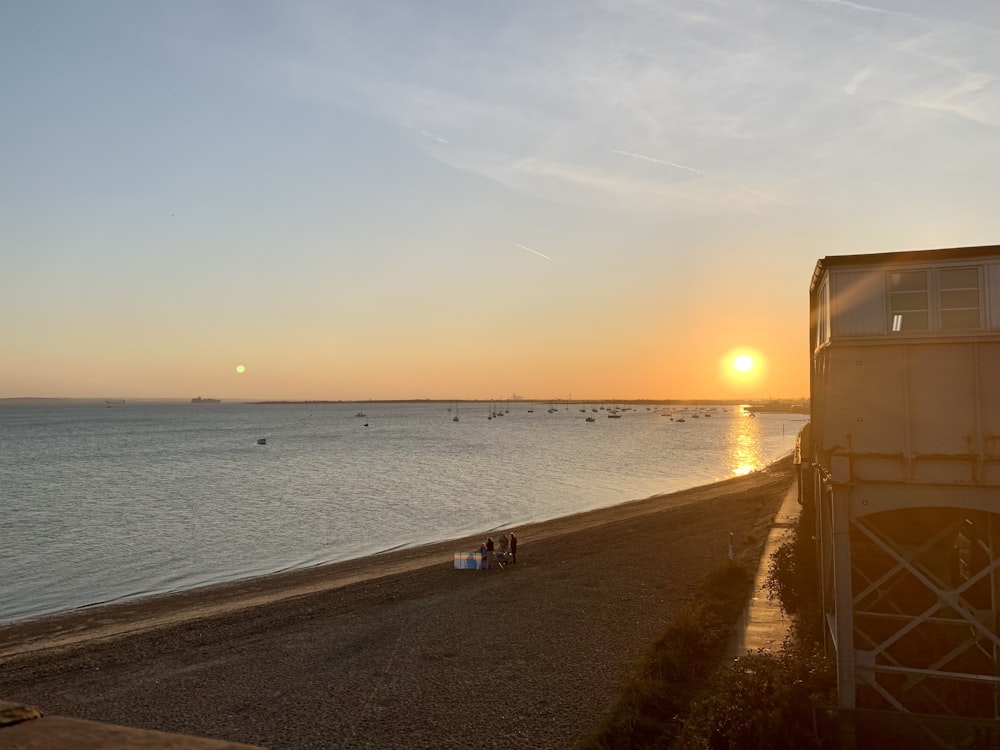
(401, 649)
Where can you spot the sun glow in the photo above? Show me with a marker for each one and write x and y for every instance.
(741, 368)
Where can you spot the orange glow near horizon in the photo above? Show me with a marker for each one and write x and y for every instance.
(657, 360)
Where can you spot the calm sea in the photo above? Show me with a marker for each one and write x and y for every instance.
(107, 502)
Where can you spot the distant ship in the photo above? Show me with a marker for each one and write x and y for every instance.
(200, 400)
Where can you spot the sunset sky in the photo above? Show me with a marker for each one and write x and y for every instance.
(398, 199)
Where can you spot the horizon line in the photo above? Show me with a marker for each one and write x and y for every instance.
(518, 399)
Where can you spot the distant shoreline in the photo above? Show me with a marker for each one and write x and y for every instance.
(560, 401)
(553, 401)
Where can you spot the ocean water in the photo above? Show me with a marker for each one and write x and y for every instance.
(103, 503)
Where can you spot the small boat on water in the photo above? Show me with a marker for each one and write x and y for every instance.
(261, 441)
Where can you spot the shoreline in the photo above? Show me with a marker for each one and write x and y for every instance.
(413, 547)
(335, 651)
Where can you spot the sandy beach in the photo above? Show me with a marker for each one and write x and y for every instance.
(401, 649)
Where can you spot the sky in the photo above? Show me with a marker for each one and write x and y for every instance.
(581, 199)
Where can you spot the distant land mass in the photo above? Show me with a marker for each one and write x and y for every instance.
(780, 407)
(200, 400)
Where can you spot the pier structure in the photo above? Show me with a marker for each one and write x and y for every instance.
(902, 462)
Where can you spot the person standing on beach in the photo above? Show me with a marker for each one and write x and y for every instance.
(482, 556)
(491, 555)
(513, 547)
(504, 546)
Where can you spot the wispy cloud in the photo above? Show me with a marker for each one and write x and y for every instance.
(958, 76)
(653, 159)
(424, 132)
(430, 135)
(852, 86)
(525, 247)
(749, 95)
(675, 165)
(859, 7)
(758, 194)
(946, 70)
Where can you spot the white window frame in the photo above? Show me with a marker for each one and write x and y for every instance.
(935, 310)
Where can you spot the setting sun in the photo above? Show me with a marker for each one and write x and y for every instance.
(742, 368)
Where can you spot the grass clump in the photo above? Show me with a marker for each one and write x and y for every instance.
(770, 701)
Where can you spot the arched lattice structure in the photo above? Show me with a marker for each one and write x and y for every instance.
(925, 590)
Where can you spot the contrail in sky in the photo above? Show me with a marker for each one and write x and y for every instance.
(859, 7)
(633, 155)
(760, 195)
(675, 165)
(423, 132)
(523, 247)
(437, 138)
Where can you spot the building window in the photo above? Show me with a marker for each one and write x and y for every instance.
(823, 322)
(959, 298)
(908, 308)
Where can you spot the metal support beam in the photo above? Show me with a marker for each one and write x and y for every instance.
(844, 600)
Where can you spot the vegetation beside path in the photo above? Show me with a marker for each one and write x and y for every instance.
(683, 695)
(650, 711)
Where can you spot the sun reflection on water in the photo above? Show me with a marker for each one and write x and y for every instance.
(745, 454)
